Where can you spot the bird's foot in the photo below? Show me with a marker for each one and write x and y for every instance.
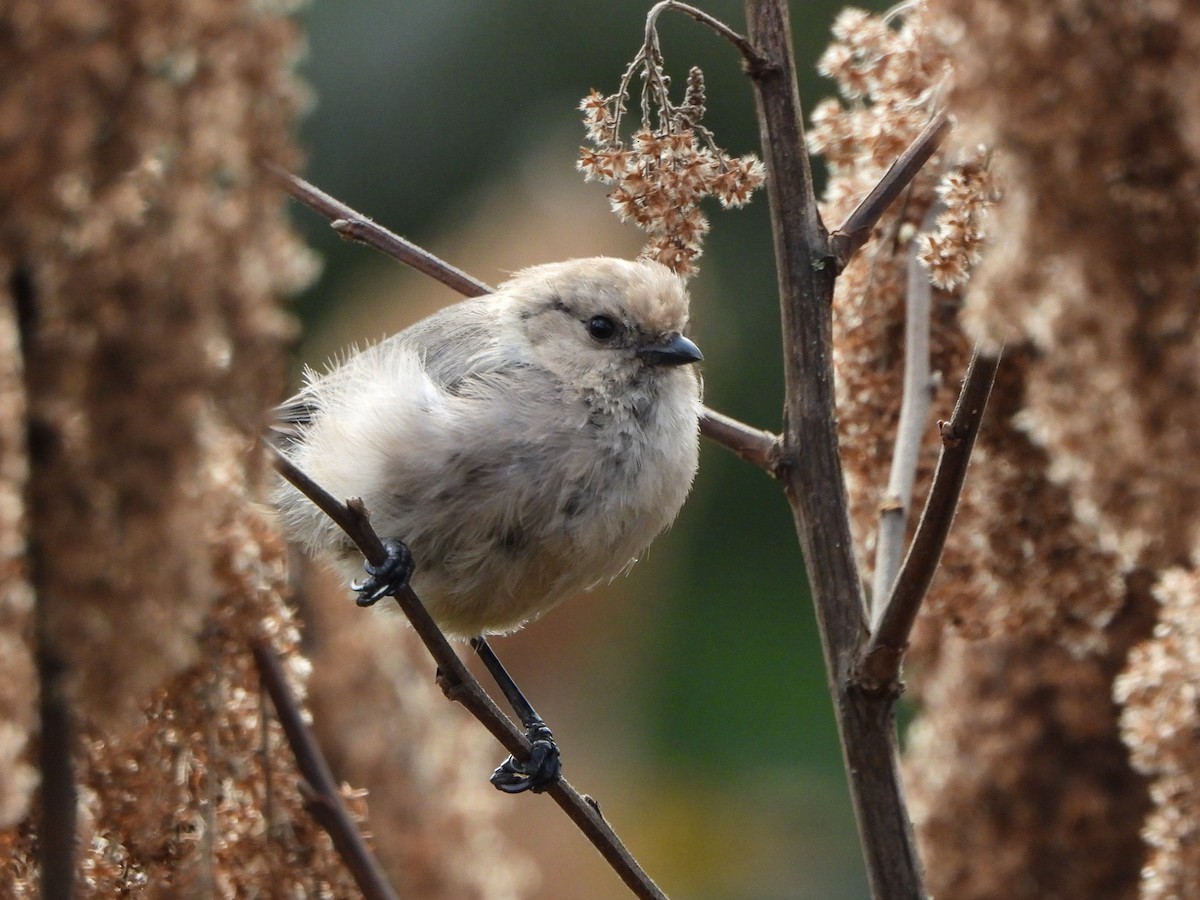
(539, 773)
(386, 579)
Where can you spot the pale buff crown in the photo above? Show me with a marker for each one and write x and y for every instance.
(643, 292)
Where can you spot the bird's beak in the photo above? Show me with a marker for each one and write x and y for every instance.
(674, 350)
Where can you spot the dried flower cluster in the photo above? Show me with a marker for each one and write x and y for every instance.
(1160, 721)
(129, 139)
(195, 796)
(141, 338)
(664, 170)
(1093, 112)
(1016, 771)
(1017, 780)
(952, 250)
(1109, 183)
(878, 69)
(891, 73)
(130, 209)
(890, 77)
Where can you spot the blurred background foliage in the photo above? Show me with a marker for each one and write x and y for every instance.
(689, 697)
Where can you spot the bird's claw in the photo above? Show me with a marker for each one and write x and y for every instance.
(538, 773)
(386, 579)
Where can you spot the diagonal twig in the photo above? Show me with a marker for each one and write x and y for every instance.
(879, 665)
(916, 398)
(354, 226)
(461, 686)
(324, 802)
(746, 441)
(854, 232)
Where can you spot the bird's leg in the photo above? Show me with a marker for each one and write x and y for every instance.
(544, 767)
(385, 579)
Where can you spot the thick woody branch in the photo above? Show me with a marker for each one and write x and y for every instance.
(811, 468)
(880, 665)
(461, 686)
(856, 230)
(324, 800)
(354, 226)
(747, 442)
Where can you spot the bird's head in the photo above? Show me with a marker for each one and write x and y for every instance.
(604, 322)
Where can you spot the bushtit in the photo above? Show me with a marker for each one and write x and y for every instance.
(524, 445)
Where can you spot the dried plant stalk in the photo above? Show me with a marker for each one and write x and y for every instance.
(1093, 113)
(145, 303)
(18, 681)
(1035, 606)
(144, 266)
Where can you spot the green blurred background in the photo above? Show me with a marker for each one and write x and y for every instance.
(689, 697)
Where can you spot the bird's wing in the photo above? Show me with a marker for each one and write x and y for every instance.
(457, 346)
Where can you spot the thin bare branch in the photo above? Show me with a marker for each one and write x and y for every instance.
(810, 466)
(352, 225)
(910, 430)
(750, 55)
(324, 800)
(754, 445)
(461, 686)
(856, 230)
(879, 668)
(344, 515)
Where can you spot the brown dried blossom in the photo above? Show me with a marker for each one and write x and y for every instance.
(131, 138)
(889, 76)
(196, 796)
(1094, 117)
(1159, 722)
(988, 584)
(1018, 783)
(1015, 694)
(955, 247)
(142, 337)
(663, 171)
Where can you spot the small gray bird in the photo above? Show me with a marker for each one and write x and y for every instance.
(524, 445)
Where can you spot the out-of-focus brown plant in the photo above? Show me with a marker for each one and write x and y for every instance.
(142, 267)
(1026, 776)
(1093, 112)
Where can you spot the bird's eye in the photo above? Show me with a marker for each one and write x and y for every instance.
(601, 328)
